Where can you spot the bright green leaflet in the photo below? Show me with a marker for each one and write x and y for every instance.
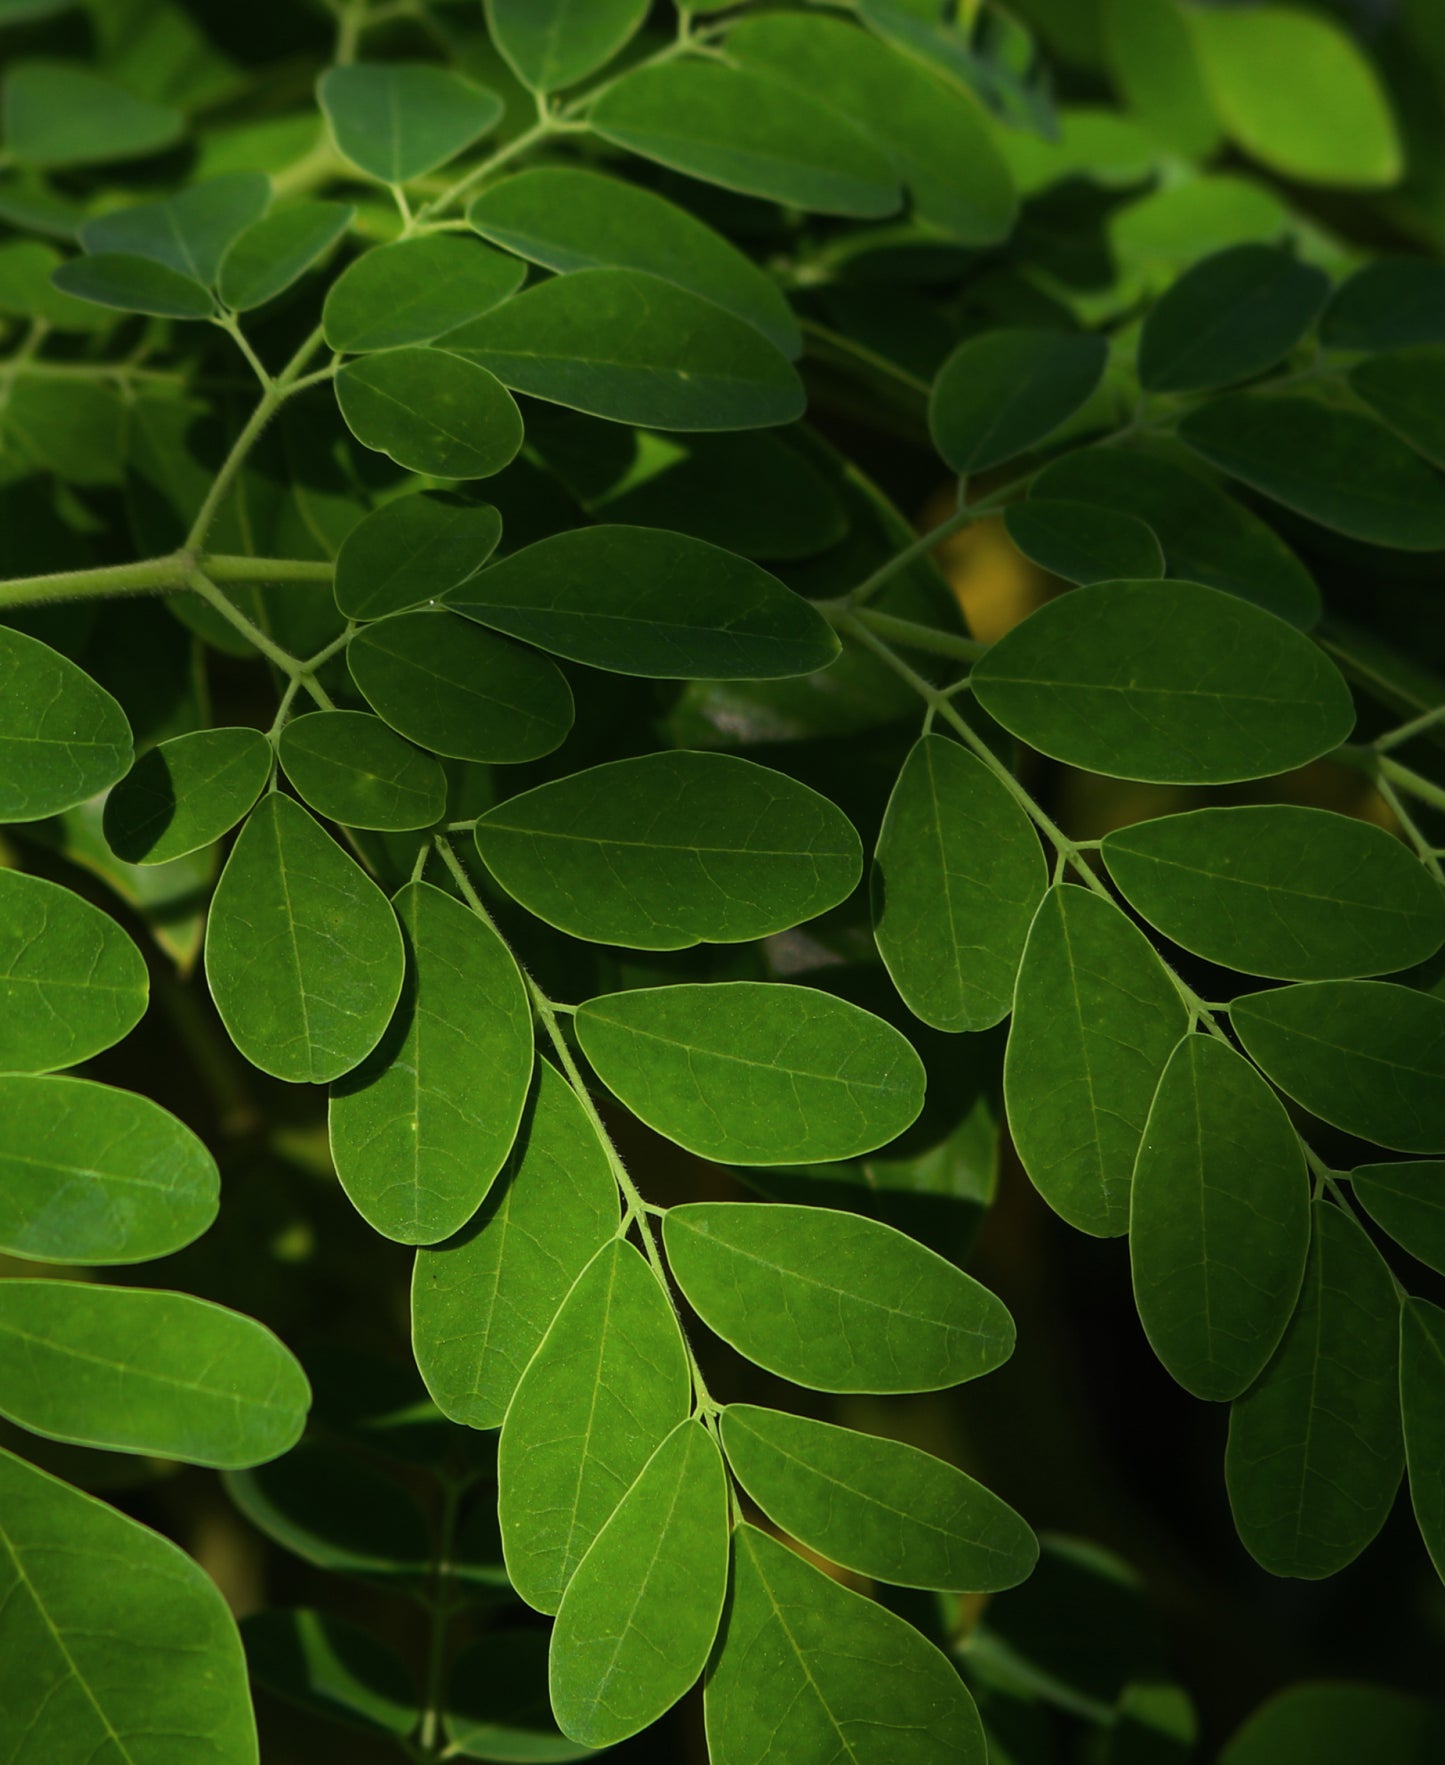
(957, 876)
(638, 1619)
(458, 691)
(748, 132)
(414, 290)
(1096, 1018)
(877, 1505)
(1171, 684)
(1329, 122)
(1405, 388)
(93, 1175)
(497, 1705)
(182, 1694)
(400, 120)
(1219, 1221)
(56, 114)
(1082, 542)
(1408, 1201)
(1228, 318)
(134, 285)
(570, 219)
(71, 981)
(1422, 1409)
(1366, 1056)
(1003, 392)
(288, 900)
(62, 737)
(1276, 890)
(605, 1388)
(1339, 468)
(1206, 535)
(808, 1669)
(414, 549)
(637, 600)
(277, 251)
(550, 44)
(1155, 65)
(1314, 1455)
(430, 411)
(834, 1301)
(327, 1664)
(936, 141)
(1338, 1724)
(672, 849)
(421, 1128)
(482, 1301)
(752, 1072)
(631, 347)
(139, 1371)
(1389, 304)
(354, 770)
(191, 232)
(185, 793)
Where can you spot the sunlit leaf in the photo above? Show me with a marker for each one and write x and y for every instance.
(354, 770)
(184, 794)
(62, 737)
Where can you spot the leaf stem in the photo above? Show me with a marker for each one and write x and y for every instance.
(440, 1604)
(908, 632)
(1395, 738)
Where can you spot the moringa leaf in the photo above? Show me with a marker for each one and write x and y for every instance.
(1404, 388)
(1083, 542)
(430, 411)
(189, 233)
(550, 44)
(1002, 392)
(277, 251)
(1229, 317)
(134, 284)
(1391, 303)
(62, 737)
(1337, 1723)
(352, 769)
(497, 1705)
(57, 114)
(1407, 1200)
(1422, 1407)
(414, 290)
(399, 120)
(414, 549)
(183, 794)
(331, 1666)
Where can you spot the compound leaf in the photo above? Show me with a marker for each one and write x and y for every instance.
(1408, 1201)
(191, 232)
(431, 412)
(1422, 1407)
(414, 290)
(354, 770)
(1000, 393)
(182, 795)
(277, 251)
(62, 737)
(414, 549)
(400, 120)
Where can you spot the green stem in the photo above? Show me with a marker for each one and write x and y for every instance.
(1408, 731)
(146, 576)
(896, 565)
(844, 345)
(522, 143)
(440, 1605)
(224, 567)
(1413, 783)
(911, 634)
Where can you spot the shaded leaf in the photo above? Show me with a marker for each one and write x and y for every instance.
(1408, 1201)
(1388, 304)
(134, 285)
(338, 1512)
(399, 120)
(62, 737)
(1338, 1724)
(185, 793)
(332, 1666)
(1422, 1407)
(191, 232)
(269, 256)
(430, 411)
(1405, 388)
(1082, 542)
(1003, 392)
(56, 114)
(1229, 317)
(497, 1704)
(414, 290)
(413, 549)
(354, 770)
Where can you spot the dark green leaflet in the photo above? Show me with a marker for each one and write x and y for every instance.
(1096, 1019)
(400, 120)
(189, 233)
(414, 290)
(331, 1666)
(1408, 1201)
(62, 737)
(1218, 1222)
(1405, 388)
(497, 1705)
(1153, 59)
(1422, 1404)
(354, 770)
(268, 257)
(1314, 1455)
(1002, 392)
(1229, 318)
(134, 284)
(430, 411)
(1389, 304)
(185, 793)
(417, 548)
(1338, 1724)
(1082, 542)
(550, 44)
(57, 115)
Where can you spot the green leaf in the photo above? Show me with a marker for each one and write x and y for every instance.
(482, 1301)
(607, 1385)
(1219, 1220)
(550, 44)
(93, 1175)
(75, 1576)
(1314, 1455)
(414, 290)
(1276, 890)
(1408, 1202)
(639, 601)
(1338, 1724)
(1391, 303)
(876, 1505)
(1365, 1056)
(633, 348)
(62, 737)
(71, 981)
(332, 1666)
(833, 1301)
(402, 119)
(26, 290)
(1206, 535)
(1405, 388)
(185, 793)
(189, 233)
(288, 900)
(420, 1129)
(934, 139)
(1084, 542)
(752, 1072)
(354, 770)
(1343, 470)
(670, 850)
(1003, 392)
(497, 1705)
(1172, 684)
(56, 114)
(1096, 1018)
(269, 256)
(1155, 64)
(458, 691)
(808, 1669)
(74, 429)
(414, 549)
(572, 219)
(1293, 90)
(748, 132)
(1422, 1409)
(639, 1616)
(957, 875)
(134, 285)
(139, 1371)
(1229, 317)
(430, 411)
